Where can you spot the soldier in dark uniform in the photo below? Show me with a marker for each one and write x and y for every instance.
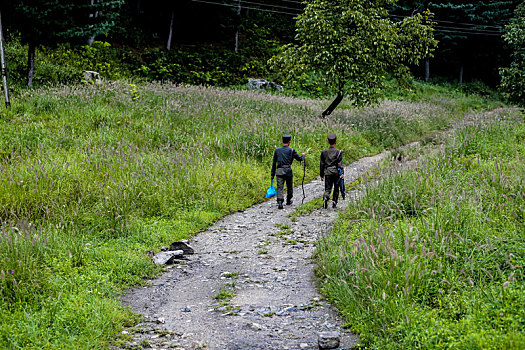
(282, 167)
(331, 170)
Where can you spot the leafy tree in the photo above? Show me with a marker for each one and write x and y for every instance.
(513, 77)
(349, 46)
(49, 22)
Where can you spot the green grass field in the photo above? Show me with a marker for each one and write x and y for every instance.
(91, 177)
(432, 257)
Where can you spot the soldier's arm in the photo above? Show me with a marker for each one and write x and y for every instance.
(274, 163)
(296, 156)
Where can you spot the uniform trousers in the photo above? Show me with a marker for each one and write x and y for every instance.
(329, 182)
(281, 180)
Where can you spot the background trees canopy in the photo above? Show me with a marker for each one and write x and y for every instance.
(470, 39)
(513, 77)
(202, 37)
(49, 22)
(350, 46)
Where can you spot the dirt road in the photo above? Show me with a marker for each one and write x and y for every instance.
(250, 284)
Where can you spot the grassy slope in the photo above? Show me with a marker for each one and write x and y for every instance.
(93, 176)
(433, 257)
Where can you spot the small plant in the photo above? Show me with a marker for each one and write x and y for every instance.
(224, 295)
(306, 208)
(290, 242)
(163, 332)
(284, 230)
(230, 274)
(134, 92)
(268, 314)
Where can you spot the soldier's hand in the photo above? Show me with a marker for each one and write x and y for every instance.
(303, 154)
(322, 178)
(342, 176)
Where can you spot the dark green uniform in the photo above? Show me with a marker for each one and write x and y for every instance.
(331, 162)
(282, 168)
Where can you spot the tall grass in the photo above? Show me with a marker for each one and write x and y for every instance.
(91, 177)
(432, 256)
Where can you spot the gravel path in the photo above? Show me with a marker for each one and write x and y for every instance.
(263, 260)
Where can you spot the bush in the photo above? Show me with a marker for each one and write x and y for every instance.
(65, 64)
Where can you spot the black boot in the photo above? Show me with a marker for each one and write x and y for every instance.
(325, 204)
(280, 205)
(334, 204)
(289, 202)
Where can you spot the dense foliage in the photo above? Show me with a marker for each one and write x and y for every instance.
(471, 46)
(513, 77)
(48, 22)
(203, 36)
(432, 257)
(350, 46)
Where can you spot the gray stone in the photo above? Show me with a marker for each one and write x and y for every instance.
(261, 84)
(328, 340)
(182, 245)
(164, 258)
(255, 326)
(92, 76)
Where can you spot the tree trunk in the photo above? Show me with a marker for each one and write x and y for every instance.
(461, 74)
(333, 105)
(31, 48)
(92, 15)
(427, 68)
(168, 46)
(237, 31)
(3, 66)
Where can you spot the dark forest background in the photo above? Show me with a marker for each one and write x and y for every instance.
(223, 42)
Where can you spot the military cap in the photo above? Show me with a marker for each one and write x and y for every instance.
(287, 138)
(332, 137)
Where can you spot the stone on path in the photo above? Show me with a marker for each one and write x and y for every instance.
(328, 340)
(165, 258)
(182, 245)
(254, 326)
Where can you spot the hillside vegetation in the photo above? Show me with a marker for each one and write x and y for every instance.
(91, 177)
(432, 257)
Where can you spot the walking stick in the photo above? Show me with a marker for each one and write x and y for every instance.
(302, 183)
